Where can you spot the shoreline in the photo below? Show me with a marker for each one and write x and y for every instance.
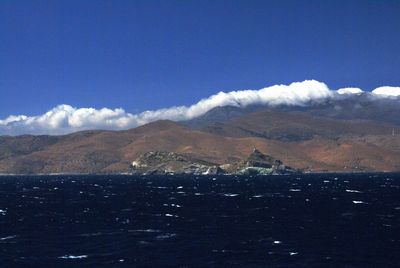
(197, 175)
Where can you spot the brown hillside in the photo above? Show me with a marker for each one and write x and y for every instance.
(113, 151)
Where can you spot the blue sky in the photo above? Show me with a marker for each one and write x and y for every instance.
(143, 55)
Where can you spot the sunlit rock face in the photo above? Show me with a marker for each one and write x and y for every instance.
(258, 163)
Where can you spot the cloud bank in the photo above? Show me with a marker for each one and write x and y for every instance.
(64, 119)
(387, 91)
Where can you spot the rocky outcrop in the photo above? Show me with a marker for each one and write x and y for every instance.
(162, 163)
(258, 163)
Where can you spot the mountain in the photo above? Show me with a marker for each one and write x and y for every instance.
(332, 136)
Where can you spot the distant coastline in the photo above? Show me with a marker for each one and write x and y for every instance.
(180, 175)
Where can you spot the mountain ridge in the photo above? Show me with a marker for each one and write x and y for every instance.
(304, 139)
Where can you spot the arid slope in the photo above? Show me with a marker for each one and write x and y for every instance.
(300, 140)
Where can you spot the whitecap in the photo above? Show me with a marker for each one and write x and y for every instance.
(165, 236)
(294, 190)
(231, 195)
(221, 250)
(91, 234)
(144, 231)
(359, 202)
(353, 191)
(73, 257)
(127, 221)
(171, 215)
(7, 237)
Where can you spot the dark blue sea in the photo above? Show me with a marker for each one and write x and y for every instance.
(327, 220)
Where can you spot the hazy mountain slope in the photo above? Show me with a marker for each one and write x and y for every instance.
(296, 126)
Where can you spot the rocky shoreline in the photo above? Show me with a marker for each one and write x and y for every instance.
(169, 163)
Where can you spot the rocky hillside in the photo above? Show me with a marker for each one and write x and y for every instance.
(161, 163)
(258, 163)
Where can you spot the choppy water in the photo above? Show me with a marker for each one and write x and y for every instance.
(276, 221)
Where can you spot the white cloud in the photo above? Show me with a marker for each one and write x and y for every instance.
(349, 90)
(387, 91)
(65, 118)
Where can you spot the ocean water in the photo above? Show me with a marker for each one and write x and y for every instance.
(327, 220)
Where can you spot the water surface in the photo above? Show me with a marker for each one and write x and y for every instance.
(330, 220)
